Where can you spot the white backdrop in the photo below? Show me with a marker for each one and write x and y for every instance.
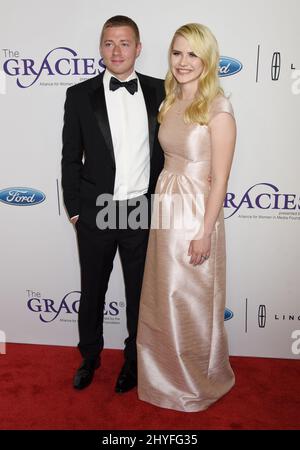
(40, 283)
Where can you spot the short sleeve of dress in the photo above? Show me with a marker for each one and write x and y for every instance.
(219, 105)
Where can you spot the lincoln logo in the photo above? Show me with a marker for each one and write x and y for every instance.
(275, 67)
(262, 316)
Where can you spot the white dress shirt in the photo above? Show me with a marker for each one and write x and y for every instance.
(128, 122)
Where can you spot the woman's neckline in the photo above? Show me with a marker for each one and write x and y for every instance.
(184, 99)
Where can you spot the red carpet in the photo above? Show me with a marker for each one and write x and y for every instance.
(37, 393)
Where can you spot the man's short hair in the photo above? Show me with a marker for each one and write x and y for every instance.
(121, 21)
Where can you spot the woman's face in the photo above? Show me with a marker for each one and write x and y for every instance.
(185, 65)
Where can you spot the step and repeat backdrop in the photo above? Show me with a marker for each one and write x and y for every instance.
(45, 47)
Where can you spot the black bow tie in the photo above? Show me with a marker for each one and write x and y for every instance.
(130, 85)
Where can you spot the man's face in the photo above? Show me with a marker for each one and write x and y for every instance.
(119, 50)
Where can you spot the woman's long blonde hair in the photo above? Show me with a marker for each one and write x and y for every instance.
(203, 44)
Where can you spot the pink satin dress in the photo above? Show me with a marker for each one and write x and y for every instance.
(183, 361)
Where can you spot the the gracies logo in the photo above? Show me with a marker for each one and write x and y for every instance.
(264, 196)
(21, 196)
(229, 66)
(49, 310)
(60, 61)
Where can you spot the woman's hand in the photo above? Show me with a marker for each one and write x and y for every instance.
(199, 250)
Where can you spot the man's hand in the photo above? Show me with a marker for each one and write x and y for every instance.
(74, 219)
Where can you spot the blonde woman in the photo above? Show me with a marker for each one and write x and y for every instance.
(183, 361)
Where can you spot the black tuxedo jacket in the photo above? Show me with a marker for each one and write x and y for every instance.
(88, 161)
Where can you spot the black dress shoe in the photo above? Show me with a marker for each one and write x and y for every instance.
(85, 373)
(128, 377)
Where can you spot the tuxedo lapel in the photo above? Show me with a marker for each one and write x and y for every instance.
(149, 97)
(99, 106)
(100, 111)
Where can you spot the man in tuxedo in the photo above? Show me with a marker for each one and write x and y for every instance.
(110, 147)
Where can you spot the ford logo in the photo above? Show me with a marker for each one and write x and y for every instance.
(228, 314)
(229, 66)
(21, 196)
